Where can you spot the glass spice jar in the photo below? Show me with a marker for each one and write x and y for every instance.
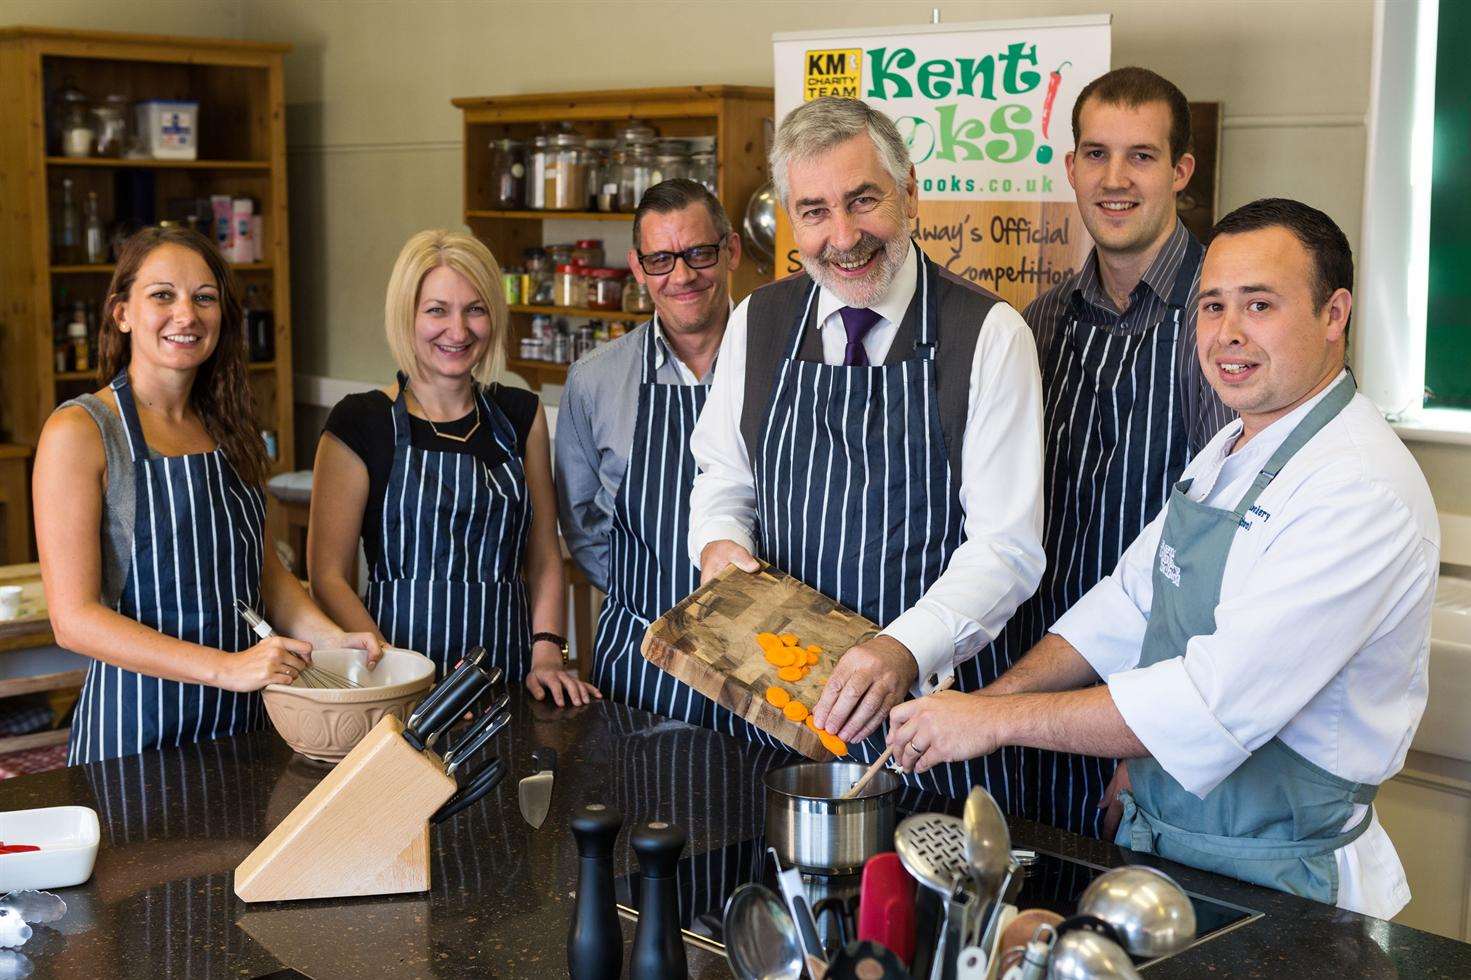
(635, 176)
(636, 298)
(507, 174)
(702, 169)
(536, 169)
(588, 252)
(566, 173)
(78, 131)
(570, 286)
(112, 125)
(605, 289)
(599, 162)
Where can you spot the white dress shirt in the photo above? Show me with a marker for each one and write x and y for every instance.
(1000, 562)
(1322, 630)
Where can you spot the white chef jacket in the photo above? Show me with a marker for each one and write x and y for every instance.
(1000, 562)
(1322, 630)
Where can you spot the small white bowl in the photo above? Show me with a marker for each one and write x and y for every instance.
(68, 838)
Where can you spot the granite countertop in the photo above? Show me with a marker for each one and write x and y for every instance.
(175, 824)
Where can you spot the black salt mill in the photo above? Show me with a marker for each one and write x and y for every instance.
(658, 950)
(595, 941)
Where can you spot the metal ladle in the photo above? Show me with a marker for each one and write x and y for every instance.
(988, 849)
(1083, 955)
(1151, 913)
(760, 936)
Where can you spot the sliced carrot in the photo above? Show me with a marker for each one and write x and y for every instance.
(790, 639)
(833, 744)
(777, 696)
(780, 657)
(768, 641)
(795, 710)
(813, 648)
(790, 673)
(811, 658)
(812, 724)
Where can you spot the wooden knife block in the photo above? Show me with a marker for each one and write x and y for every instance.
(364, 829)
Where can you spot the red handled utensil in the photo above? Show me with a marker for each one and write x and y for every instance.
(886, 905)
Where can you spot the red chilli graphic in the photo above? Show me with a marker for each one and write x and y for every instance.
(1053, 81)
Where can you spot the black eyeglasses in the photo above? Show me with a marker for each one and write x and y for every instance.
(696, 257)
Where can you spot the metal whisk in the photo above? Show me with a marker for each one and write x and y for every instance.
(312, 676)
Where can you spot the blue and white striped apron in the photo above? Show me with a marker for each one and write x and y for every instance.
(198, 540)
(648, 566)
(449, 573)
(1115, 443)
(855, 497)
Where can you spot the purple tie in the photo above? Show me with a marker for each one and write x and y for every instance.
(857, 323)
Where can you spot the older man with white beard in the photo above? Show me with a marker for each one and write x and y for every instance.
(875, 431)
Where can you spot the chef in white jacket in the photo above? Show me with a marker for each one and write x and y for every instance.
(1263, 643)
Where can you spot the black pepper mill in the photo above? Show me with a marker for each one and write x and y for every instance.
(658, 950)
(595, 942)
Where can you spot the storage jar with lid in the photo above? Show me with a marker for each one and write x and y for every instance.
(112, 125)
(636, 298)
(588, 252)
(571, 289)
(78, 131)
(566, 173)
(702, 169)
(605, 289)
(560, 254)
(536, 169)
(635, 176)
(599, 166)
(635, 132)
(507, 174)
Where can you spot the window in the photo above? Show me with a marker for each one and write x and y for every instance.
(1448, 299)
(1413, 312)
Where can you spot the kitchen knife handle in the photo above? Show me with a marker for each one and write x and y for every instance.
(440, 710)
(483, 731)
(487, 778)
(475, 658)
(544, 759)
(482, 719)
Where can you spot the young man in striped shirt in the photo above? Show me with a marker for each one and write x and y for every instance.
(1125, 403)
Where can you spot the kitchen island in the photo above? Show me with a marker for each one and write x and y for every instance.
(175, 824)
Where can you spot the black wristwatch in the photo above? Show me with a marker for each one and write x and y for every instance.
(560, 641)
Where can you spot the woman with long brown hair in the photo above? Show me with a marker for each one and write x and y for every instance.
(150, 517)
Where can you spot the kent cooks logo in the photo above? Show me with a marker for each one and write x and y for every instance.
(954, 110)
(1167, 566)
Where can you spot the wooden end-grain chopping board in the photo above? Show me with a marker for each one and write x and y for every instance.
(709, 642)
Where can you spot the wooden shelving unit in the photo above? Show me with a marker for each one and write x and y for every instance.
(734, 115)
(242, 145)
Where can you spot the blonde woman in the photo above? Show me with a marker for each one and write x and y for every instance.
(446, 477)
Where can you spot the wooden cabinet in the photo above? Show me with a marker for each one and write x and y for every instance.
(242, 153)
(734, 115)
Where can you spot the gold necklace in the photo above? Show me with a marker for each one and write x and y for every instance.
(445, 435)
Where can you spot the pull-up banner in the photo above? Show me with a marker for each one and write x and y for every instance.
(986, 109)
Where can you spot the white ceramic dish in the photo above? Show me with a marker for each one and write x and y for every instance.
(68, 838)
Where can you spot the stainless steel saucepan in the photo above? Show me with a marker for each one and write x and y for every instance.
(811, 827)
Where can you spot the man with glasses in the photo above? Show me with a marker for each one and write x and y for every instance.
(875, 431)
(623, 464)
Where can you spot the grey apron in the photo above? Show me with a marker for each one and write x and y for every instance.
(1278, 818)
